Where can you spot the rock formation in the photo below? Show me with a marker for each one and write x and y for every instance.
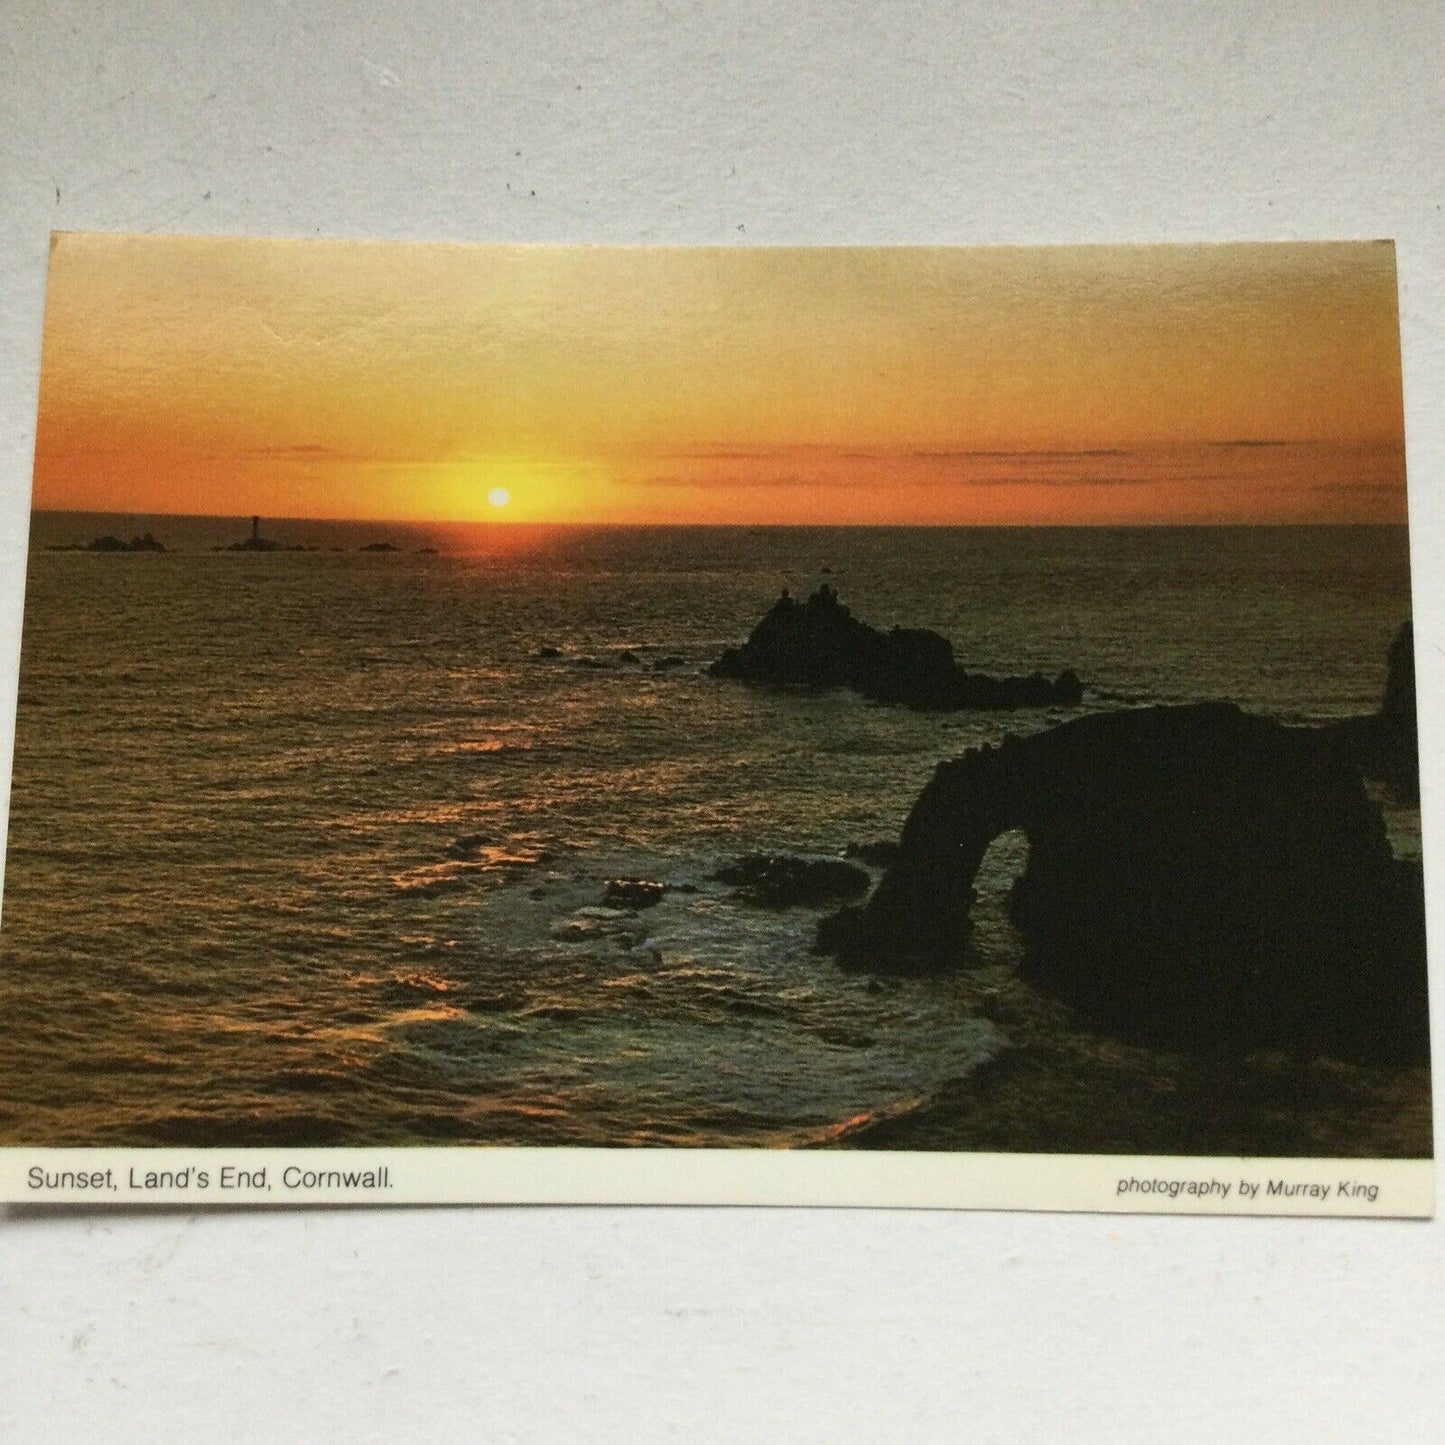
(820, 643)
(1386, 745)
(144, 543)
(784, 881)
(1196, 877)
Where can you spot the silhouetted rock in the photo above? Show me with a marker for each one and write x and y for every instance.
(144, 543)
(783, 881)
(1386, 745)
(549, 652)
(668, 663)
(629, 657)
(633, 893)
(379, 547)
(593, 664)
(468, 846)
(1398, 707)
(1196, 877)
(877, 855)
(820, 643)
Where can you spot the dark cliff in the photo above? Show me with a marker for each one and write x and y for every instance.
(1385, 745)
(1196, 877)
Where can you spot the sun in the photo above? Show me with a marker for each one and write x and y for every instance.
(499, 496)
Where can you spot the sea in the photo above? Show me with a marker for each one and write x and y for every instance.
(310, 847)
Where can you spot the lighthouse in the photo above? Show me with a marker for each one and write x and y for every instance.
(255, 529)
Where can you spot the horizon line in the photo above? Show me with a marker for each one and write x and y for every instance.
(507, 525)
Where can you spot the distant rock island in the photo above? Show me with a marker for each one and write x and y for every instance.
(1197, 878)
(144, 543)
(820, 643)
(379, 547)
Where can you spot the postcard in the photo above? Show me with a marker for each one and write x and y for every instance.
(889, 726)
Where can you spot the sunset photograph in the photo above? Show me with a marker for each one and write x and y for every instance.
(898, 698)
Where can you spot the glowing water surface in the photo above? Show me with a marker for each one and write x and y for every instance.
(310, 847)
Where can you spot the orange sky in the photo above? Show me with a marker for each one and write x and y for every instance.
(1001, 385)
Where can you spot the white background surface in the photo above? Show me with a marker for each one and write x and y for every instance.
(755, 124)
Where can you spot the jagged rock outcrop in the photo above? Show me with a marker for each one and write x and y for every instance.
(144, 543)
(1196, 877)
(1386, 744)
(820, 643)
(780, 880)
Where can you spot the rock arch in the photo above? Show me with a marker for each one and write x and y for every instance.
(1197, 877)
